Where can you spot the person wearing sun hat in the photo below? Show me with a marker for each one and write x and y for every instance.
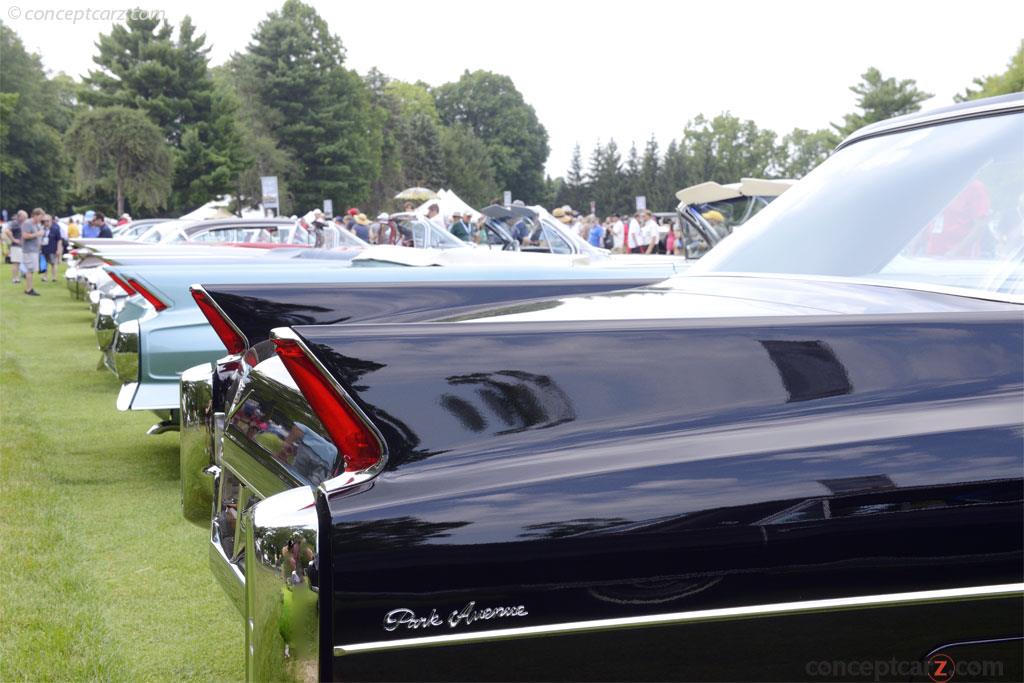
(459, 228)
(714, 217)
(362, 227)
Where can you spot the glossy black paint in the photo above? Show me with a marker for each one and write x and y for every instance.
(736, 462)
(256, 309)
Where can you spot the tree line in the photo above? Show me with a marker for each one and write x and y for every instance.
(156, 130)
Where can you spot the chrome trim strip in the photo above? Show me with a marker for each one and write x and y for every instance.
(344, 480)
(865, 601)
(967, 293)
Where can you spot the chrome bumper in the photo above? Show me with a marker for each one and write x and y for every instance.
(105, 324)
(282, 624)
(71, 280)
(201, 432)
(125, 351)
(264, 555)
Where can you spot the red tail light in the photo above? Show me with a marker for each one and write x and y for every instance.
(358, 445)
(147, 295)
(232, 339)
(121, 282)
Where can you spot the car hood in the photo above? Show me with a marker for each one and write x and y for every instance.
(719, 296)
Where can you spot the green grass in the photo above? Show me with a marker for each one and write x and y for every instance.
(102, 578)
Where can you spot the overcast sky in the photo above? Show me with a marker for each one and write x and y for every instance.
(625, 69)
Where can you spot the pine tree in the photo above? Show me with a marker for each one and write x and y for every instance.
(143, 66)
(650, 167)
(318, 111)
(880, 99)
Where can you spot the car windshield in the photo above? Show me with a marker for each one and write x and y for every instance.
(168, 231)
(422, 233)
(554, 236)
(937, 206)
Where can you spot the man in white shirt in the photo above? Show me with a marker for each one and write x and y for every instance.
(618, 231)
(651, 232)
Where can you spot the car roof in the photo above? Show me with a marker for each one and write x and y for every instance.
(990, 106)
(197, 226)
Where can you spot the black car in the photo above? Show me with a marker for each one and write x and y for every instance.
(800, 459)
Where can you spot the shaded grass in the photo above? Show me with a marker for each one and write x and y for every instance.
(102, 578)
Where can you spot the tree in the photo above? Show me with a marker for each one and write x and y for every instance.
(491, 106)
(32, 166)
(802, 150)
(211, 154)
(607, 188)
(880, 99)
(143, 66)
(648, 178)
(572, 190)
(467, 167)
(260, 154)
(120, 149)
(1011, 81)
(319, 111)
(726, 149)
(631, 175)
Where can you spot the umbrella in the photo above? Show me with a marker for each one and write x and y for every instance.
(416, 194)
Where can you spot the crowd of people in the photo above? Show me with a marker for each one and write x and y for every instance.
(35, 243)
(640, 233)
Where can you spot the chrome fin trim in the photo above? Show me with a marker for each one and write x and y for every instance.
(866, 601)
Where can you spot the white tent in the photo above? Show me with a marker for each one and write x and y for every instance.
(218, 208)
(447, 202)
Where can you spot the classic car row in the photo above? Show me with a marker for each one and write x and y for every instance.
(806, 446)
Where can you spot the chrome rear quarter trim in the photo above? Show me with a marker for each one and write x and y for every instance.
(859, 602)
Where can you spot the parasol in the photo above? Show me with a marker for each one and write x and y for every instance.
(416, 194)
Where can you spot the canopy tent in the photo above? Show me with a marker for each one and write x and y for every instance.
(448, 202)
(711, 191)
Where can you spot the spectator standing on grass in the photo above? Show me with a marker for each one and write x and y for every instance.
(634, 237)
(53, 250)
(13, 232)
(480, 233)
(31, 234)
(459, 228)
(88, 229)
(618, 232)
(74, 229)
(433, 216)
(596, 236)
(362, 227)
(99, 223)
(649, 233)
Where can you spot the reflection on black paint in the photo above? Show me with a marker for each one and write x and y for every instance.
(809, 369)
(572, 527)
(289, 313)
(392, 533)
(881, 501)
(871, 482)
(465, 411)
(520, 400)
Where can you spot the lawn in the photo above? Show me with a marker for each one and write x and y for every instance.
(102, 578)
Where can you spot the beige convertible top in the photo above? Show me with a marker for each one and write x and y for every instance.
(747, 187)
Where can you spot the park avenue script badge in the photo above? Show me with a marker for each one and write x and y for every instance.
(470, 614)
